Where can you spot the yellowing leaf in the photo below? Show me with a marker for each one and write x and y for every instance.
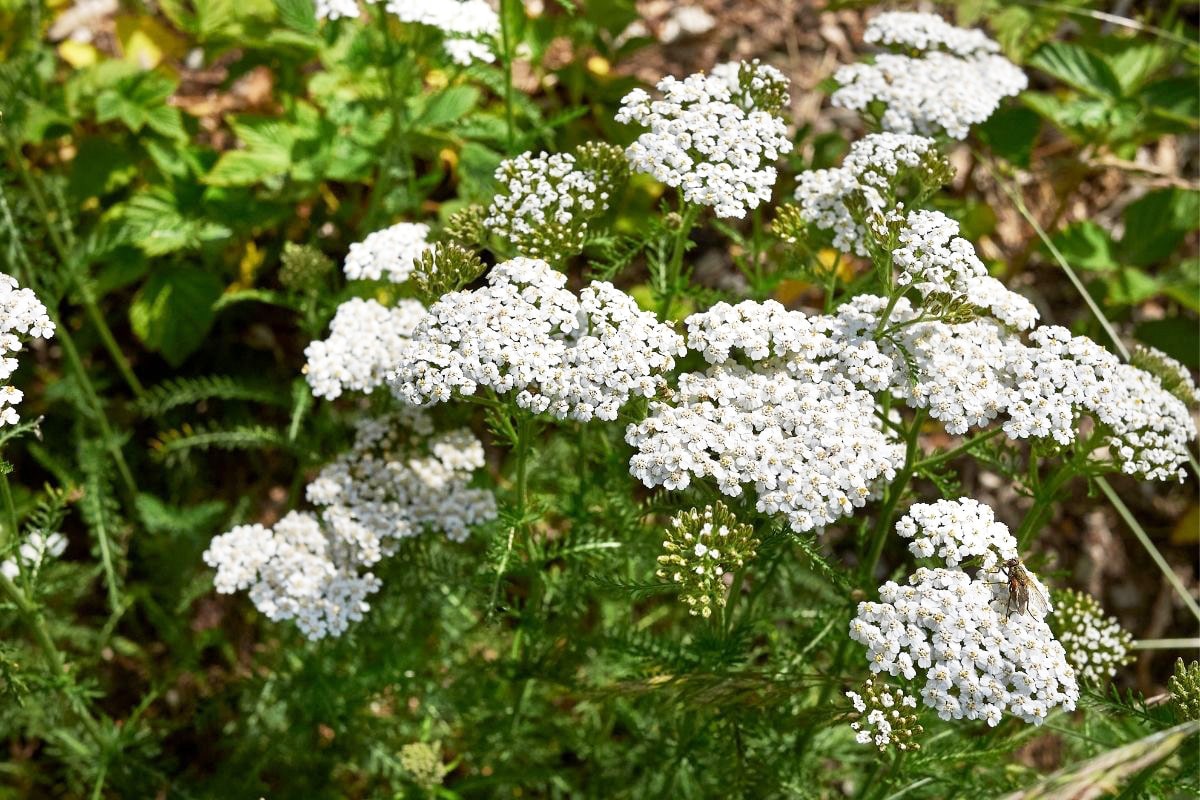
(789, 292)
(145, 42)
(78, 54)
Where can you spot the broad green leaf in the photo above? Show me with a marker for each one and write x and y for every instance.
(173, 311)
(1183, 284)
(1175, 336)
(156, 225)
(246, 167)
(1130, 286)
(1086, 245)
(448, 106)
(1157, 223)
(1078, 68)
(1132, 60)
(1011, 133)
(1175, 99)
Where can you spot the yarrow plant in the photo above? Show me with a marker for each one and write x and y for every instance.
(784, 468)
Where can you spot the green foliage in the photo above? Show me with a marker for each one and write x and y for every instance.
(156, 183)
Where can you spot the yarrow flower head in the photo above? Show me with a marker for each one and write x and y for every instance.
(22, 316)
(1174, 377)
(1062, 378)
(803, 435)
(701, 547)
(942, 266)
(312, 566)
(423, 763)
(978, 661)
(709, 139)
(1096, 644)
(366, 340)
(525, 333)
(858, 202)
(957, 531)
(546, 201)
(956, 81)
(387, 254)
(468, 25)
(885, 717)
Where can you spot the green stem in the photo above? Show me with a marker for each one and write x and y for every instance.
(12, 531)
(506, 43)
(934, 460)
(1043, 501)
(688, 214)
(883, 524)
(84, 291)
(1142, 537)
(735, 591)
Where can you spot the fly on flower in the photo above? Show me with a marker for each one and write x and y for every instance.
(1023, 591)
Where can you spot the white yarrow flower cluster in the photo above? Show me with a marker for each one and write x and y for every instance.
(978, 660)
(366, 340)
(312, 567)
(1064, 377)
(387, 254)
(22, 316)
(33, 552)
(936, 261)
(337, 9)
(803, 435)
(545, 203)
(571, 357)
(924, 32)
(857, 201)
(465, 23)
(934, 93)
(957, 531)
(707, 139)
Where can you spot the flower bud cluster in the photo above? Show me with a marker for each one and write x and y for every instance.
(701, 546)
(22, 316)
(935, 91)
(708, 139)
(978, 660)
(1096, 645)
(398, 480)
(1174, 377)
(526, 334)
(1184, 686)
(446, 267)
(885, 717)
(303, 267)
(423, 763)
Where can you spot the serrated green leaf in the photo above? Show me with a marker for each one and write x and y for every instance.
(299, 15)
(173, 311)
(1078, 68)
